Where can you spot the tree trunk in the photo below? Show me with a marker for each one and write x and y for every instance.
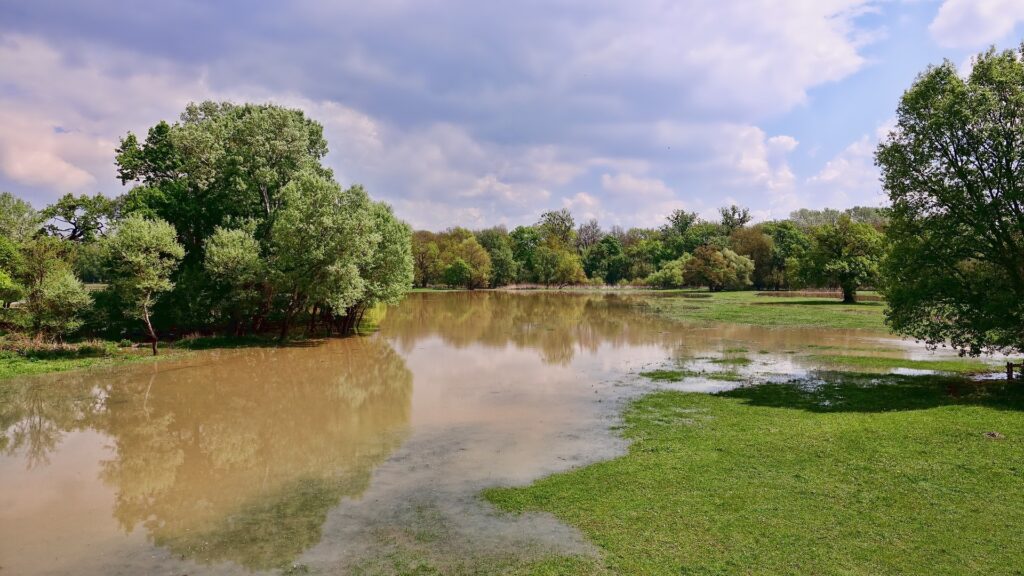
(849, 295)
(149, 326)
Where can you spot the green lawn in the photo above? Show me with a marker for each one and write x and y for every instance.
(749, 308)
(907, 475)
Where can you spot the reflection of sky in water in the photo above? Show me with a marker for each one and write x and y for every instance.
(324, 455)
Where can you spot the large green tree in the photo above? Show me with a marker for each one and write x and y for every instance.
(142, 255)
(845, 254)
(952, 168)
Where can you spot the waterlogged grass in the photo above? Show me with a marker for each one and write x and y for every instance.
(880, 363)
(679, 375)
(748, 308)
(861, 474)
(13, 365)
(669, 375)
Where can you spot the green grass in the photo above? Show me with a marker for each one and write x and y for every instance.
(954, 365)
(732, 361)
(862, 475)
(669, 375)
(748, 308)
(13, 365)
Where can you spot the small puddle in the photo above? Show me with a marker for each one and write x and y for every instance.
(324, 458)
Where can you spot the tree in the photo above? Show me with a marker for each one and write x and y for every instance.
(558, 228)
(734, 218)
(458, 273)
(954, 271)
(321, 237)
(473, 255)
(760, 248)
(504, 268)
(558, 266)
(718, 269)
(141, 256)
(670, 275)
(10, 291)
(426, 255)
(844, 254)
(587, 235)
(56, 305)
(606, 261)
(789, 244)
(80, 218)
(525, 241)
(233, 259)
(18, 220)
(388, 271)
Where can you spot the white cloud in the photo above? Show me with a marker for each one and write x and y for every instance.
(849, 178)
(627, 111)
(975, 23)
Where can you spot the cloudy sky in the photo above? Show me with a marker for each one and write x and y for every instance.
(475, 113)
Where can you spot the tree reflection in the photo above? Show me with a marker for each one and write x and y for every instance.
(556, 324)
(236, 459)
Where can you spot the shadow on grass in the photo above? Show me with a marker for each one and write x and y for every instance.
(817, 302)
(826, 392)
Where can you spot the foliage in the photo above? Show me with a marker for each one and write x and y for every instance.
(18, 220)
(557, 228)
(760, 248)
(954, 271)
(718, 269)
(141, 255)
(734, 218)
(844, 254)
(80, 218)
(558, 266)
(56, 304)
(670, 275)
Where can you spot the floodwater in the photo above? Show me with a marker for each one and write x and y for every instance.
(350, 454)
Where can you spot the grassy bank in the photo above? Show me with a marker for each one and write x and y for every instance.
(749, 308)
(20, 360)
(907, 475)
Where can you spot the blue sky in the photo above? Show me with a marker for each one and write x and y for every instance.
(477, 113)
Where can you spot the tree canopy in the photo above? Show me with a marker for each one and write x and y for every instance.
(951, 167)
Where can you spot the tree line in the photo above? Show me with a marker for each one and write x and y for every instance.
(231, 224)
(813, 248)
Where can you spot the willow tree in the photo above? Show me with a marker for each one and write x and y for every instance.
(952, 168)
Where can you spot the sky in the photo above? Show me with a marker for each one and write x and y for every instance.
(474, 113)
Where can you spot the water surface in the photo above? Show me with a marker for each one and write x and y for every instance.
(349, 453)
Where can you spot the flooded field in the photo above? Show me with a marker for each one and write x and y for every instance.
(345, 455)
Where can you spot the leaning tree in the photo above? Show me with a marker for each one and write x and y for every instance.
(952, 167)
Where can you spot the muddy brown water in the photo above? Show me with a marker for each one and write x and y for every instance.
(347, 454)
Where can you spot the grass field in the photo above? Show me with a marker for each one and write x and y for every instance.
(907, 475)
(749, 308)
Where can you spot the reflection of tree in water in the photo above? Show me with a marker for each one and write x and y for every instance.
(35, 417)
(561, 324)
(556, 324)
(241, 459)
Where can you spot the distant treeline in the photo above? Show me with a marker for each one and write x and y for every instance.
(812, 248)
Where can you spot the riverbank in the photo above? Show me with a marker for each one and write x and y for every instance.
(839, 473)
(29, 360)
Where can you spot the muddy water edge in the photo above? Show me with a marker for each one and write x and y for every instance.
(354, 455)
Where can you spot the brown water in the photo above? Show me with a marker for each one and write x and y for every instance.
(349, 453)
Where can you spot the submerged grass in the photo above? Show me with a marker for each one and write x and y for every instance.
(844, 473)
(748, 308)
